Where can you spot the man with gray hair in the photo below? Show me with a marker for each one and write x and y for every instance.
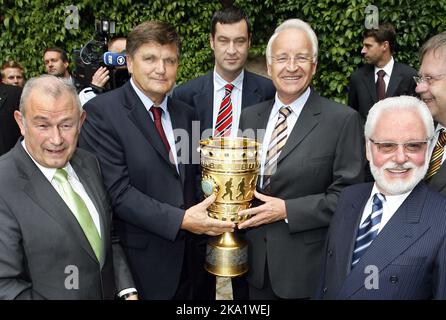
(431, 87)
(55, 220)
(311, 150)
(387, 239)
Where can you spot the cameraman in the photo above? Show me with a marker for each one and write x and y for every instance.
(102, 74)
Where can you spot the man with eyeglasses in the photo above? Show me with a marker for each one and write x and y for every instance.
(381, 76)
(312, 149)
(387, 239)
(431, 87)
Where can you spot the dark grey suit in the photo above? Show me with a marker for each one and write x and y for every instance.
(323, 154)
(409, 253)
(42, 244)
(362, 89)
(9, 130)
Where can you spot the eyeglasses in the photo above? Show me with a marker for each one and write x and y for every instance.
(409, 147)
(429, 79)
(299, 59)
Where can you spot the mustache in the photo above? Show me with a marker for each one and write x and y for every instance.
(394, 166)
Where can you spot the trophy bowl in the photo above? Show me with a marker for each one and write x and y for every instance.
(230, 167)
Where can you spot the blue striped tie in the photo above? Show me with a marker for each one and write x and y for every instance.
(369, 228)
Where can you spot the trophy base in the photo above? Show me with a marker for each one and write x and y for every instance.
(226, 255)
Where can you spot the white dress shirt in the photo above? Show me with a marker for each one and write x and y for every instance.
(75, 184)
(388, 70)
(390, 206)
(165, 119)
(236, 99)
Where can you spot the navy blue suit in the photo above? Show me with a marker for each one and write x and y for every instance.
(148, 196)
(199, 93)
(409, 252)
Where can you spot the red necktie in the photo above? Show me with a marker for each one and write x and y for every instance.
(224, 117)
(157, 111)
(381, 85)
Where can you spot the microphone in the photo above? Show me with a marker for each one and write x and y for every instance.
(114, 59)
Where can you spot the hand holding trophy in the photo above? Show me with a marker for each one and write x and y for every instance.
(229, 170)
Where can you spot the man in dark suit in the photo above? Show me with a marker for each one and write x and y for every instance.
(55, 220)
(142, 140)
(431, 86)
(397, 79)
(230, 40)
(311, 150)
(387, 240)
(9, 102)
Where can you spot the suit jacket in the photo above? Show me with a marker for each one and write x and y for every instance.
(199, 93)
(323, 154)
(9, 130)
(43, 250)
(362, 89)
(149, 197)
(409, 252)
(438, 181)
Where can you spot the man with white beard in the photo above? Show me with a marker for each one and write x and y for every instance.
(387, 239)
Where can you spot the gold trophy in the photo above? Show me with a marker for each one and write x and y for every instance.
(230, 168)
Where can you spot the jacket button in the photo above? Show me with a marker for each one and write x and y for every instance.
(393, 279)
(324, 290)
(330, 253)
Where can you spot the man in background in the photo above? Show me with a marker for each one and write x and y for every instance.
(12, 73)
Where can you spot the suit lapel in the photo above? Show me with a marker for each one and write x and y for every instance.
(179, 122)
(399, 233)
(438, 181)
(2, 97)
(40, 190)
(394, 82)
(249, 93)
(141, 118)
(90, 185)
(308, 119)
(204, 102)
(369, 79)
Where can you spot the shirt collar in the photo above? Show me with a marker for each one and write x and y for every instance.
(219, 82)
(295, 106)
(391, 198)
(146, 101)
(387, 68)
(50, 172)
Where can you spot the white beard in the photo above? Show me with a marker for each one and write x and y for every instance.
(398, 186)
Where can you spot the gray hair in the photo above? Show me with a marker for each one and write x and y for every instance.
(298, 25)
(400, 103)
(49, 85)
(437, 42)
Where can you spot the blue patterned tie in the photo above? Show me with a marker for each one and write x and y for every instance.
(369, 228)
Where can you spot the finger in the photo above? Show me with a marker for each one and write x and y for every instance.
(261, 196)
(208, 201)
(251, 211)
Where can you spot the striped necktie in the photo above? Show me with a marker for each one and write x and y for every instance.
(368, 230)
(83, 216)
(437, 155)
(224, 117)
(278, 140)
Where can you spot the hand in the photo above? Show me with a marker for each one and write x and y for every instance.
(132, 297)
(196, 220)
(272, 210)
(100, 77)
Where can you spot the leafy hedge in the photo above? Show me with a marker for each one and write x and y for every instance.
(28, 26)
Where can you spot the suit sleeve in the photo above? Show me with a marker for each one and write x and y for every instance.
(315, 211)
(98, 135)
(352, 94)
(14, 284)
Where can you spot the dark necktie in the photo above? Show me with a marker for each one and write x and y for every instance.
(157, 112)
(224, 117)
(368, 230)
(381, 85)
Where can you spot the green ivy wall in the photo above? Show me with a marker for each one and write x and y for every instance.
(27, 27)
